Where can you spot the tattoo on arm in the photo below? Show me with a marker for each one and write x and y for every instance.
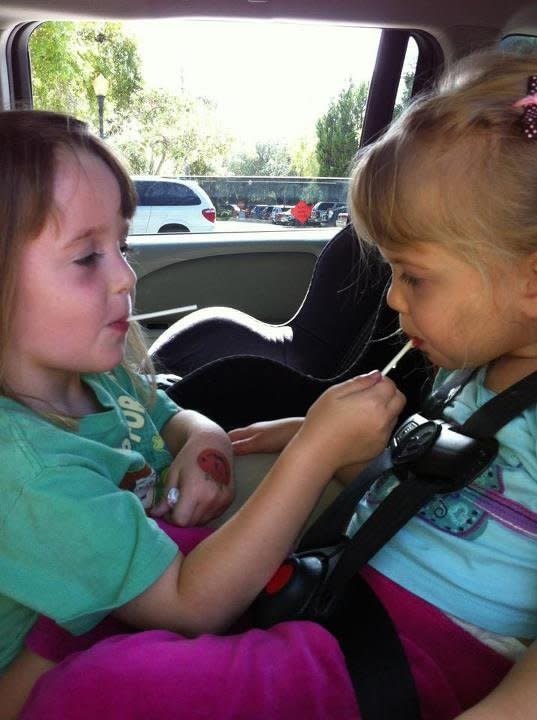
(215, 464)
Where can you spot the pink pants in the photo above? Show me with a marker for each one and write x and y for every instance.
(294, 670)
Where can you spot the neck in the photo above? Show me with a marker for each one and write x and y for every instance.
(53, 391)
(509, 369)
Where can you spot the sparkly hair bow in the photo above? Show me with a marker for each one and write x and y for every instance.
(529, 103)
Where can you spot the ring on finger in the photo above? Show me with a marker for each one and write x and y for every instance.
(172, 498)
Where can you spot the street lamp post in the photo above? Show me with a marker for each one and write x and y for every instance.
(100, 86)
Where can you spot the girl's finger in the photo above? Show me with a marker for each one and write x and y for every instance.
(360, 382)
(160, 509)
(185, 513)
(242, 447)
(239, 433)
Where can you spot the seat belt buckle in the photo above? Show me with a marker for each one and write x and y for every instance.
(439, 454)
(297, 590)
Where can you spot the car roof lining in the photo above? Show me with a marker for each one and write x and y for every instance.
(505, 16)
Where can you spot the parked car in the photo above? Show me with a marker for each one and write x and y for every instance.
(342, 219)
(332, 214)
(257, 211)
(319, 213)
(171, 206)
(278, 211)
(266, 214)
(287, 218)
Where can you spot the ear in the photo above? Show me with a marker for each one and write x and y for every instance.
(528, 277)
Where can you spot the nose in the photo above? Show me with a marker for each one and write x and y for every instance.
(124, 277)
(395, 298)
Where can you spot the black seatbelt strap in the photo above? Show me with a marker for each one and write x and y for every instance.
(325, 584)
(499, 410)
(414, 490)
(382, 680)
(329, 528)
(375, 658)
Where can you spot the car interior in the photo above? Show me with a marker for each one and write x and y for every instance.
(278, 297)
(282, 313)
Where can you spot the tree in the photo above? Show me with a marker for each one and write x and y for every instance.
(304, 161)
(268, 159)
(172, 135)
(406, 96)
(66, 57)
(155, 131)
(338, 131)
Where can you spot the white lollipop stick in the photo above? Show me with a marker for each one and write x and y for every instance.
(161, 313)
(393, 362)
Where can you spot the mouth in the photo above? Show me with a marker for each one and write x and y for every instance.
(121, 326)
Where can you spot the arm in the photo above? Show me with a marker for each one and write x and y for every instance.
(272, 436)
(202, 470)
(265, 437)
(515, 698)
(217, 581)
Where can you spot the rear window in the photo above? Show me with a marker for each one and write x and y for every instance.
(164, 193)
(520, 44)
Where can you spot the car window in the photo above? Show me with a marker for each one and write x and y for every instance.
(520, 43)
(255, 130)
(163, 193)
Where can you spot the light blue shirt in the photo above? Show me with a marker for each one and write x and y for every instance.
(473, 553)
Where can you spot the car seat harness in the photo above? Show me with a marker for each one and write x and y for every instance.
(429, 456)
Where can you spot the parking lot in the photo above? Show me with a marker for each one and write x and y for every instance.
(249, 225)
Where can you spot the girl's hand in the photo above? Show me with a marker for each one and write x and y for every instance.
(352, 422)
(265, 437)
(202, 471)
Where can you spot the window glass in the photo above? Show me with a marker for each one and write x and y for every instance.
(404, 91)
(165, 193)
(520, 43)
(258, 114)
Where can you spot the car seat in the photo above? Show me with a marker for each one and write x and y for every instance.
(237, 369)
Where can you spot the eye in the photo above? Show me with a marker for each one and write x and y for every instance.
(89, 260)
(125, 249)
(409, 279)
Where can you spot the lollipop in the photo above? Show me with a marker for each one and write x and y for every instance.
(412, 343)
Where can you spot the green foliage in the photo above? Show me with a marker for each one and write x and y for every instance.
(304, 161)
(406, 96)
(155, 131)
(267, 159)
(338, 131)
(66, 57)
(171, 135)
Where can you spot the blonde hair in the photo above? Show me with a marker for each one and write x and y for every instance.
(455, 168)
(30, 143)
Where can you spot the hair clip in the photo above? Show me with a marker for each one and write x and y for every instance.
(529, 115)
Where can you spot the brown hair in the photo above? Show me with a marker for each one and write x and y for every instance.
(30, 142)
(456, 167)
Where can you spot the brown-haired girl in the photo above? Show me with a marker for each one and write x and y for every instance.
(88, 450)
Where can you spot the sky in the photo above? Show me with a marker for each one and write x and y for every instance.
(271, 80)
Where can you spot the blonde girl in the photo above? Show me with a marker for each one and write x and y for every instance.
(449, 197)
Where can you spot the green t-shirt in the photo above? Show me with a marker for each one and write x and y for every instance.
(73, 544)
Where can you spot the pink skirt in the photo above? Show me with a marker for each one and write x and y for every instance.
(293, 670)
